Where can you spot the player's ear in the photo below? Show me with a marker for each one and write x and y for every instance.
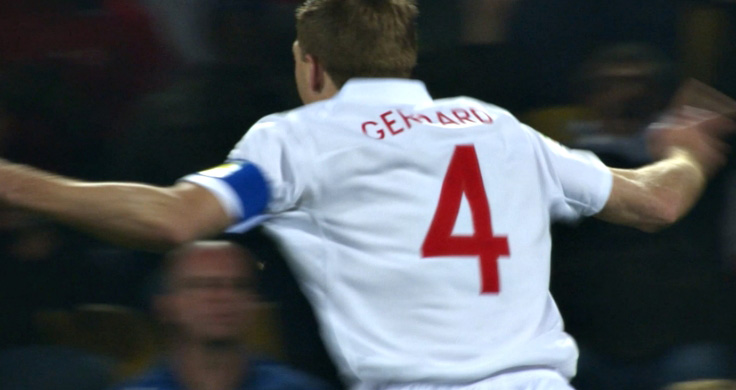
(317, 74)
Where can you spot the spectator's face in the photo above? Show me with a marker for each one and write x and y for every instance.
(212, 292)
(624, 96)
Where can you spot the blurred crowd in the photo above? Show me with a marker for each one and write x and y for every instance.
(150, 90)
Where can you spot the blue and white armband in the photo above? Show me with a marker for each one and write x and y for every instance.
(239, 185)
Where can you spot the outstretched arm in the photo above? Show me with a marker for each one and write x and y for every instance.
(129, 214)
(657, 195)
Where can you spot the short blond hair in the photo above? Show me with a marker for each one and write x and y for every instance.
(360, 38)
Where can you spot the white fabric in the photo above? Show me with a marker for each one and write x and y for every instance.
(355, 184)
(226, 195)
(527, 378)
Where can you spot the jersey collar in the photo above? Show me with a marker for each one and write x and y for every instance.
(385, 91)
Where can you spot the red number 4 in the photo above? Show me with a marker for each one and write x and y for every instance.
(463, 177)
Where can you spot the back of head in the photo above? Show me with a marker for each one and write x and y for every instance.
(360, 38)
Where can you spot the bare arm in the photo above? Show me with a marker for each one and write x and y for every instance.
(129, 214)
(659, 194)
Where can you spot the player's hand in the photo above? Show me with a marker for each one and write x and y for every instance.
(698, 132)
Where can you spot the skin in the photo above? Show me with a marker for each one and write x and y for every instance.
(690, 146)
(312, 80)
(211, 291)
(208, 304)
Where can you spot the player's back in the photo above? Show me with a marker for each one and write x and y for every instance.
(420, 230)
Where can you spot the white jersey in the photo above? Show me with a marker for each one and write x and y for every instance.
(419, 229)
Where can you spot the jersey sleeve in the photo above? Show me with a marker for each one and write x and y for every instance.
(260, 174)
(581, 182)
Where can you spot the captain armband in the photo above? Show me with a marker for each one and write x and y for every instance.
(239, 185)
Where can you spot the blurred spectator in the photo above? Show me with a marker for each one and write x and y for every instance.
(625, 87)
(646, 310)
(554, 37)
(209, 291)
